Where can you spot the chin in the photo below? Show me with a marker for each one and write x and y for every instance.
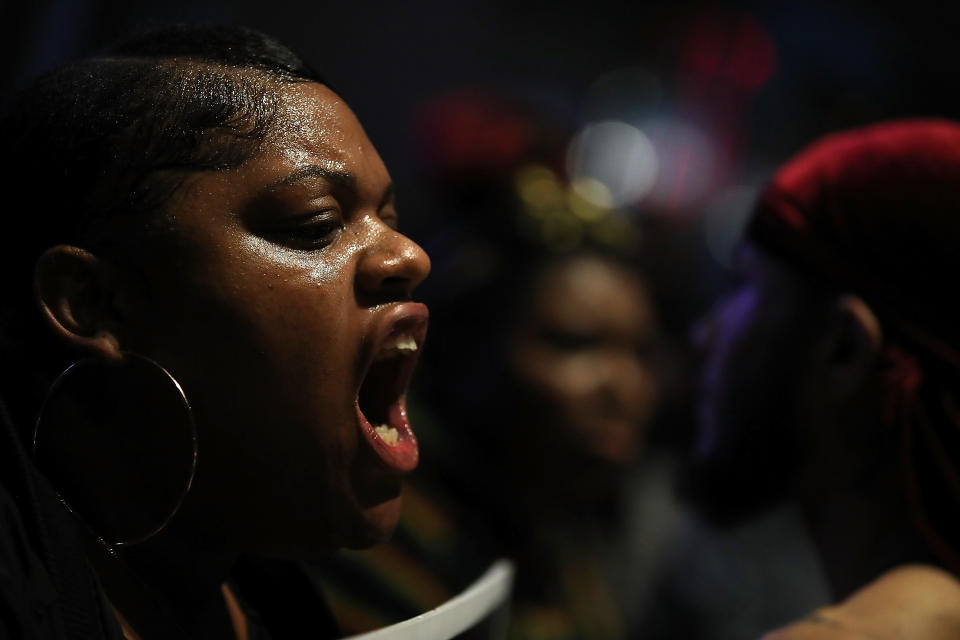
(377, 524)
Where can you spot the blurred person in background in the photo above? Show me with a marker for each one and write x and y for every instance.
(831, 376)
(583, 390)
(547, 374)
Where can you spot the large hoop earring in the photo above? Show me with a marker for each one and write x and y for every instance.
(119, 444)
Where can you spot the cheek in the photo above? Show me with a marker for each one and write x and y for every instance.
(303, 355)
(644, 391)
(270, 355)
(577, 376)
(280, 411)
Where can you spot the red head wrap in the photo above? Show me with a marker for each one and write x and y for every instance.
(876, 212)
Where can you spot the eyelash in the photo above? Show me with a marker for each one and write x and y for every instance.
(314, 233)
(317, 231)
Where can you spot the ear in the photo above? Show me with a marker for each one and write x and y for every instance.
(76, 292)
(853, 344)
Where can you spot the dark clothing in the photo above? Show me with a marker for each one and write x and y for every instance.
(49, 592)
(47, 589)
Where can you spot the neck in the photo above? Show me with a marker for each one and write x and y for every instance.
(539, 477)
(860, 535)
(851, 493)
(166, 587)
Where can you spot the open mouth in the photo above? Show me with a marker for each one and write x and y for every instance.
(381, 400)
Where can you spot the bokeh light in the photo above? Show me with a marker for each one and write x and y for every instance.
(729, 47)
(686, 163)
(617, 155)
(539, 188)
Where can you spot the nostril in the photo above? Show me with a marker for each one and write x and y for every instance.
(391, 269)
(385, 289)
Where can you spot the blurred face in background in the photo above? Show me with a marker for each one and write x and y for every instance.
(582, 358)
(756, 345)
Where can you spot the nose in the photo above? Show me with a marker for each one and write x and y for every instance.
(391, 268)
(630, 383)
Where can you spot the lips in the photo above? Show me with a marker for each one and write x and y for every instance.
(381, 403)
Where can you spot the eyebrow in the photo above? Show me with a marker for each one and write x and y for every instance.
(340, 178)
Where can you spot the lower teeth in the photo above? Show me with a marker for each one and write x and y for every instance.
(387, 434)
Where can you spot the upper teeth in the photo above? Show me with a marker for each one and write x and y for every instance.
(401, 342)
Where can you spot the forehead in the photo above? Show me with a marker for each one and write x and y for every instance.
(589, 290)
(313, 129)
(313, 125)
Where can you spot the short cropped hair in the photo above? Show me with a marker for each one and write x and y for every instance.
(97, 147)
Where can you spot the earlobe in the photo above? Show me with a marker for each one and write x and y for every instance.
(75, 291)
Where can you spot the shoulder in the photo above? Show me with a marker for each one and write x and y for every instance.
(913, 601)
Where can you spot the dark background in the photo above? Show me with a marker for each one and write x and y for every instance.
(837, 64)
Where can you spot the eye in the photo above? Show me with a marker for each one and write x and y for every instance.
(570, 341)
(310, 233)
